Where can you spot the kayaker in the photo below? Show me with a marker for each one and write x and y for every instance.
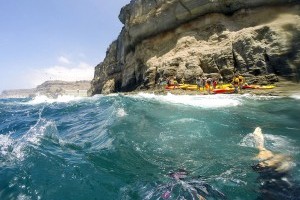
(208, 84)
(160, 82)
(198, 82)
(182, 80)
(221, 80)
(235, 83)
(175, 82)
(241, 81)
(203, 81)
(168, 80)
(214, 83)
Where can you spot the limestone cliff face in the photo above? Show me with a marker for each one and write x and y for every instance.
(187, 38)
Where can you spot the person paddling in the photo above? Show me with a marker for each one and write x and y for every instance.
(208, 85)
(199, 82)
(235, 83)
(241, 81)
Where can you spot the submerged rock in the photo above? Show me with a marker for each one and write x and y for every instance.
(187, 38)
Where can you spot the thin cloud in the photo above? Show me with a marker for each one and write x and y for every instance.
(63, 60)
(82, 71)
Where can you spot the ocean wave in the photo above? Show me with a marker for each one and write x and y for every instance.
(60, 99)
(6, 143)
(259, 97)
(15, 148)
(203, 101)
(10, 149)
(145, 136)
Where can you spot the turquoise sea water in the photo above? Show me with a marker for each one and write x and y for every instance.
(125, 147)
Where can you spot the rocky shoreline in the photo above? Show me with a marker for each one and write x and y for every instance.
(282, 88)
(190, 38)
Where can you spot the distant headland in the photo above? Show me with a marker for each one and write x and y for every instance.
(51, 89)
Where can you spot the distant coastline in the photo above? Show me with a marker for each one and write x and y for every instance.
(51, 89)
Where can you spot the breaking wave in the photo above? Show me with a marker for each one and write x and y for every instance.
(60, 99)
(202, 101)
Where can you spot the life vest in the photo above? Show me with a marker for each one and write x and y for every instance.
(236, 80)
(241, 79)
(215, 83)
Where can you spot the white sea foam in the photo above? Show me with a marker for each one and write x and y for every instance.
(228, 177)
(275, 143)
(259, 97)
(280, 143)
(10, 148)
(60, 99)
(121, 112)
(14, 149)
(184, 121)
(42, 129)
(113, 95)
(23, 197)
(203, 101)
(292, 128)
(5, 144)
(248, 141)
(296, 96)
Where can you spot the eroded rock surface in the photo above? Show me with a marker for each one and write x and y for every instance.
(161, 38)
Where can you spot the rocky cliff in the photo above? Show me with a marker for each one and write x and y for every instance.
(186, 38)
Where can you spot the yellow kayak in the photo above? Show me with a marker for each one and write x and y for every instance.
(267, 87)
(195, 87)
(188, 86)
(258, 87)
(223, 86)
(184, 86)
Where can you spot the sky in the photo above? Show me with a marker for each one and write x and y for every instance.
(54, 39)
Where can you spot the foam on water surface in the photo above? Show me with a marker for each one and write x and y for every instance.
(60, 99)
(275, 143)
(120, 112)
(14, 148)
(296, 96)
(203, 101)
